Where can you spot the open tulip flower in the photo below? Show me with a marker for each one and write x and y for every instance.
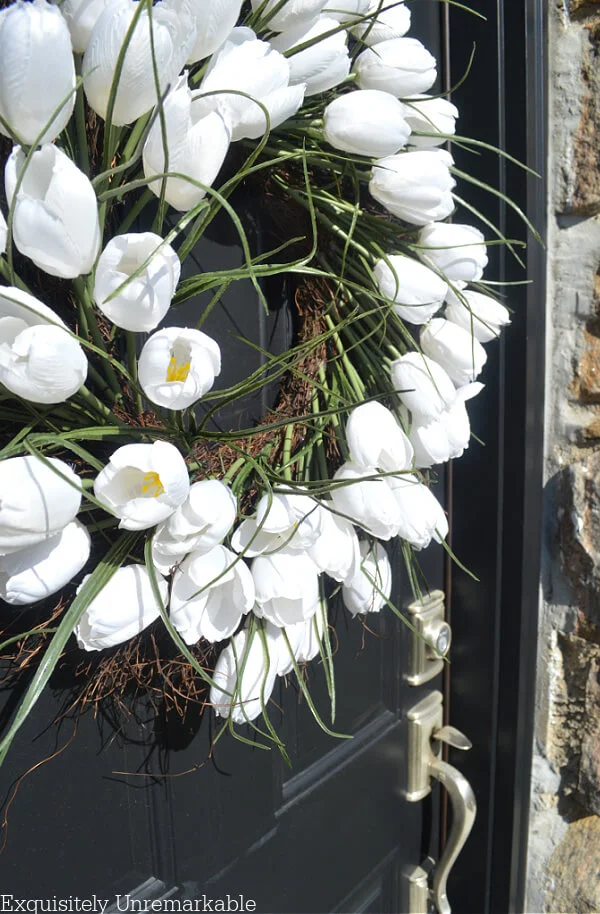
(243, 679)
(177, 366)
(291, 521)
(136, 302)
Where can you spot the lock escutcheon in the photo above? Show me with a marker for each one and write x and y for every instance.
(431, 638)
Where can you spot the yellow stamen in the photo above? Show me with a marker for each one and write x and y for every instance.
(176, 371)
(154, 486)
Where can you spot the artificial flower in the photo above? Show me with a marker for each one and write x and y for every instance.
(455, 349)
(422, 385)
(322, 65)
(416, 291)
(214, 21)
(346, 11)
(303, 642)
(445, 438)
(421, 515)
(387, 19)
(3, 233)
(367, 123)
(38, 498)
(81, 17)
(336, 550)
(38, 571)
(200, 523)
(197, 141)
(371, 585)
(367, 502)
(458, 251)
(287, 587)
(40, 360)
(480, 314)
(37, 76)
(400, 66)
(174, 34)
(243, 679)
(142, 484)
(375, 438)
(427, 115)
(55, 216)
(123, 608)
(291, 521)
(177, 366)
(291, 14)
(415, 186)
(143, 301)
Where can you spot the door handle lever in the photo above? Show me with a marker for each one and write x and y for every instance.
(425, 735)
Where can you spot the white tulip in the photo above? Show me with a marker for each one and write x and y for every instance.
(40, 360)
(446, 438)
(174, 32)
(3, 233)
(346, 11)
(287, 587)
(243, 681)
(370, 587)
(480, 314)
(200, 523)
(282, 521)
(421, 515)
(214, 22)
(324, 64)
(177, 366)
(388, 19)
(55, 216)
(415, 186)
(81, 17)
(368, 503)
(142, 484)
(304, 642)
(416, 291)
(37, 75)
(430, 115)
(38, 571)
(366, 123)
(123, 608)
(458, 251)
(197, 143)
(375, 438)
(401, 66)
(245, 64)
(210, 594)
(456, 350)
(143, 302)
(36, 500)
(293, 12)
(422, 385)
(336, 551)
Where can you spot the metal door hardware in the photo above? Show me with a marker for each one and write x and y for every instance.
(430, 640)
(425, 737)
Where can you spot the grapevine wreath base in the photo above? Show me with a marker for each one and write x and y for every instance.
(143, 549)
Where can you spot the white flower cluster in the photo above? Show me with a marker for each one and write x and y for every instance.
(248, 87)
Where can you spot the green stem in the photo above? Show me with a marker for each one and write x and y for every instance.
(133, 370)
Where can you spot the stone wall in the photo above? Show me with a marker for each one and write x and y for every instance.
(564, 858)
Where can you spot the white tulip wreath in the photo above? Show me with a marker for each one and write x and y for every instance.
(141, 528)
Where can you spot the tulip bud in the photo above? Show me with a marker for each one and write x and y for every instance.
(417, 292)
(447, 437)
(375, 439)
(81, 17)
(243, 682)
(401, 66)
(214, 22)
(292, 13)
(388, 19)
(458, 251)
(55, 218)
(177, 366)
(174, 32)
(346, 11)
(40, 360)
(143, 302)
(123, 608)
(210, 594)
(37, 75)
(292, 522)
(422, 385)
(365, 502)
(415, 186)
(480, 314)
(142, 484)
(430, 115)
(287, 587)
(366, 123)
(370, 587)
(304, 642)
(456, 350)
(38, 571)
(37, 500)
(336, 552)
(421, 515)
(324, 64)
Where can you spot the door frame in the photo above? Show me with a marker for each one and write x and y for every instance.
(495, 621)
